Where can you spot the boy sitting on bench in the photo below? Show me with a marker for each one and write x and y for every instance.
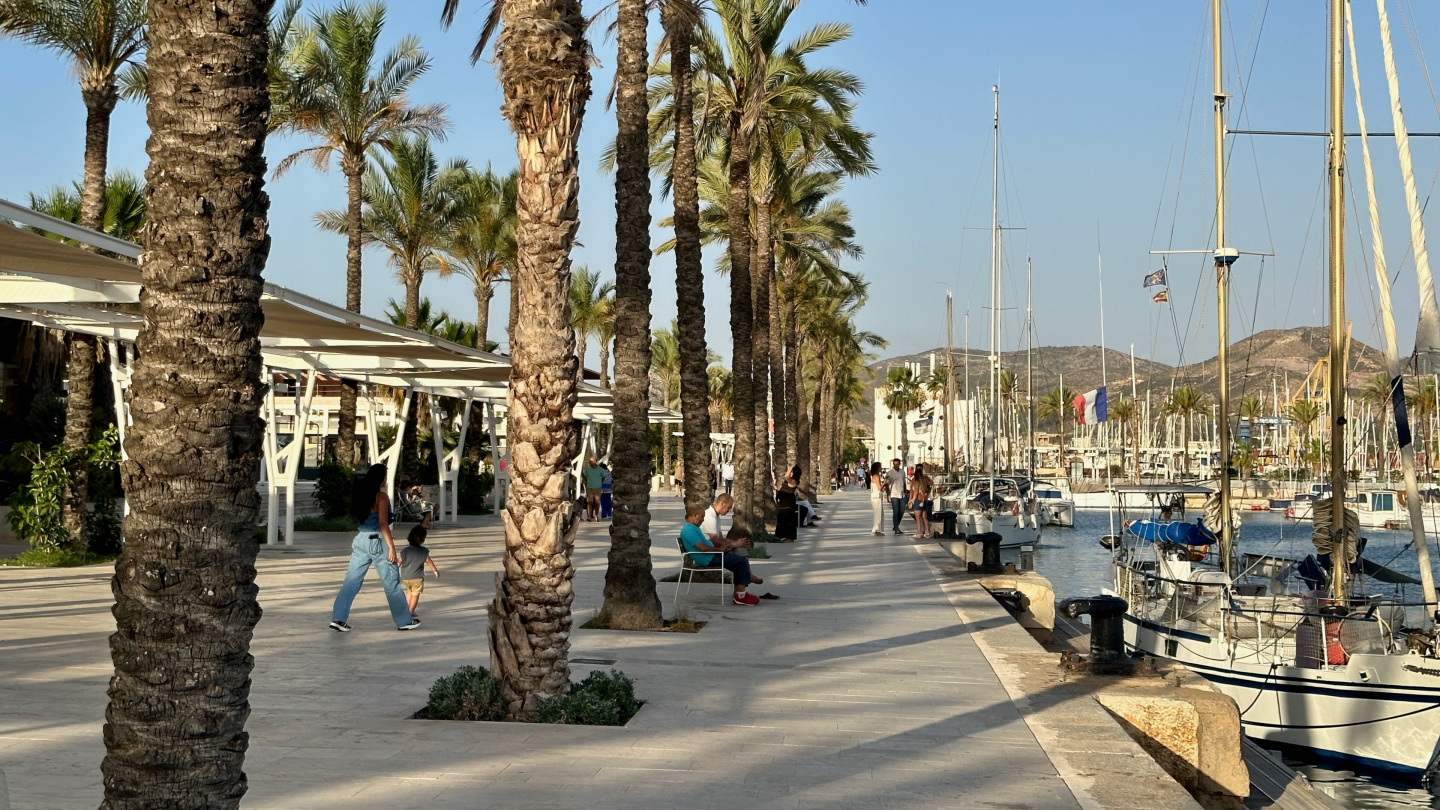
(694, 540)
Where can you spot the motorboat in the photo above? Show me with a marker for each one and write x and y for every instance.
(1054, 502)
(999, 504)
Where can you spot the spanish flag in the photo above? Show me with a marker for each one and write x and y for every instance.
(1161, 297)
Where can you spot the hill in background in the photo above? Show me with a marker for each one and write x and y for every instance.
(1278, 355)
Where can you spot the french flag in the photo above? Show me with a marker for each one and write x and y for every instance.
(1090, 407)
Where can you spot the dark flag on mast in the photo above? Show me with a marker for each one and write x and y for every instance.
(1402, 420)
(1157, 279)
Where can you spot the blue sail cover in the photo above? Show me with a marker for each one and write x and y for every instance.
(1188, 534)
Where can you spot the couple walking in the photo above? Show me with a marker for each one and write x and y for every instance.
(891, 485)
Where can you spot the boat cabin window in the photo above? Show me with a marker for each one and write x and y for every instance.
(1382, 501)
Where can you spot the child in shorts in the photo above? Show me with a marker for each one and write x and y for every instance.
(413, 559)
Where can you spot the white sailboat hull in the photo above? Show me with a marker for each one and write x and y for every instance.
(1057, 513)
(1381, 711)
(1015, 530)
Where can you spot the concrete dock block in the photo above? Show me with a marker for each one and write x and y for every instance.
(1037, 613)
(1194, 734)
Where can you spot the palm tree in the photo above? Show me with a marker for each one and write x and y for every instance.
(1057, 403)
(1125, 413)
(591, 302)
(336, 93)
(1245, 458)
(482, 244)
(409, 210)
(902, 395)
(717, 389)
(1305, 413)
(123, 214)
(665, 364)
(185, 580)
(1185, 402)
(678, 20)
(1376, 393)
(100, 38)
(426, 320)
(545, 75)
(1420, 401)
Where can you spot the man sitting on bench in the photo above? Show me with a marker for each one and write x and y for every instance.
(693, 539)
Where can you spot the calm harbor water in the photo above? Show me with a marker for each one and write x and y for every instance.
(1078, 566)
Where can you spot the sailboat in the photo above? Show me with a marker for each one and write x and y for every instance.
(1322, 653)
(989, 502)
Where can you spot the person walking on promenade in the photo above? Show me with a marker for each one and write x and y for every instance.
(607, 492)
(920, 501)
(728, 472)
(594, 477)
(895, 489)
(876, 483)
(413, 559)
(373, 545)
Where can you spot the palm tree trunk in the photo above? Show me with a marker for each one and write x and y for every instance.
(631, 602)
(484, 291)
(689, 273)
(410, 441)
(353, 169)
(185, 596)
(79, 400)
(826, 463)
(545, 74)
(792, 370)
(777, 373)
(741, 322)
(762, 272)
(582, 344)
(814, 441)
(605, 353)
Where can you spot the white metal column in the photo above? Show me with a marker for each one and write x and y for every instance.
(391, 457)
(282, 465)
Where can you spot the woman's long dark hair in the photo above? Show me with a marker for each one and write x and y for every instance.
(876, 468)
(362, 499)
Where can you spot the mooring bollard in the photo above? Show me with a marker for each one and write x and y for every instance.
(1107, 626)
(989, 551)
(947, 523)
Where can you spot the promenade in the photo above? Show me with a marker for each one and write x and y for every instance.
(861, 687)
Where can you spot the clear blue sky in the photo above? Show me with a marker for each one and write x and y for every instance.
(1100, 102)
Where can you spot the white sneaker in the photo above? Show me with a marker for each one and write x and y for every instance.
(414, 623)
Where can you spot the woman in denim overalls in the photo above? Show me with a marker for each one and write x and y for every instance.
(373, 545)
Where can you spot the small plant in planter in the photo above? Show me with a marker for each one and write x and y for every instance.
(602, 699)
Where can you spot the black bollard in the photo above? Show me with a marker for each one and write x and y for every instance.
(1107, 626)
(947, 524)
(989, 551)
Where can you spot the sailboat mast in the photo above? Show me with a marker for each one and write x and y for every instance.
(995, 291)
(1029, 366)
(1225, 256)
(1336, 170)
(949, 378)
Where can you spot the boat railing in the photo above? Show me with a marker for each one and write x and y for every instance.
(1301, 628)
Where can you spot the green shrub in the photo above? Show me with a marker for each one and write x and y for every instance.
(35, 507)
(470, 694)
(102, 527)
(334, 486)
(64, 558)
(758, 552)
(317, 523)
(602, 699)
(473, 489)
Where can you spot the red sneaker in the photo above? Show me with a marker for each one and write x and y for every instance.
(747, 599)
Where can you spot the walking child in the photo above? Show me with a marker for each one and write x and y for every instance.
(413, 559)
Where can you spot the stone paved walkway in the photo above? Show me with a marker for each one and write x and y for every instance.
(860, 688)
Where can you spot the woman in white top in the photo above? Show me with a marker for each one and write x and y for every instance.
(878, 497)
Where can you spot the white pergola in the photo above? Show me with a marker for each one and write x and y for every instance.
(60, 286)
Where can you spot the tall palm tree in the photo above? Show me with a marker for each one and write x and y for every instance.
(678, 18)
(185, 581)
(337, 93)
(545, 75)
(717, 379)
(482, 244)
(123, 210)
(409, 210)
(1056, 403)
(100, 38)
(1420, 401)
(591, 301)
(902, 395)
(1304, 413)
(665, 365)
(1376, 393)
(1127, 415)
(1185, 402)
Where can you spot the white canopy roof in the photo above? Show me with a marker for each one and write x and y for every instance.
(60, 286)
